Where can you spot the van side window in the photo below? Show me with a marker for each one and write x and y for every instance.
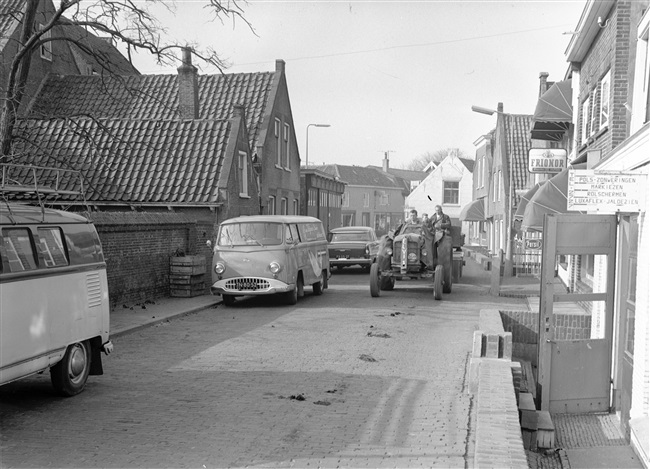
(292, 233)
(19, 248)
(52, 247)
(311, 232)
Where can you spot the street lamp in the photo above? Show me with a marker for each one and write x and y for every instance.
(307, 141)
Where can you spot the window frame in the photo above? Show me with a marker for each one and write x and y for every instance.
(270, 208)
(446, 190)
(278, 143)
(285, 135)
(605, 110)
(584, 127)
(243, 173)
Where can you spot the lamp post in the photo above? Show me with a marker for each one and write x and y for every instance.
(507, 267)
(307, 141)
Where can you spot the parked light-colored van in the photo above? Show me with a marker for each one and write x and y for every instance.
(270, 254)
(54, 308)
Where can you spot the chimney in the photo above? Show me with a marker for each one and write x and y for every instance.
(384, 164)
(279, 66)
(188, 87)
(239, 111)
(500, 108)
(543, 86)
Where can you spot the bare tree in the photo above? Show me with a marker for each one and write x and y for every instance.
(419, 163)
(129, 22)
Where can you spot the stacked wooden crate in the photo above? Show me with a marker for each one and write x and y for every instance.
(186, 276)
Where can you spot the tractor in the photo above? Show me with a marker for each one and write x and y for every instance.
(408, 253)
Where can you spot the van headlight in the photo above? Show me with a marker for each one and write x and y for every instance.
(219, 268)
(274, 267)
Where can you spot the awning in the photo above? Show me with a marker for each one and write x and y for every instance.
(524, 199)
(473, 211)
(551, 197)
(554, 112)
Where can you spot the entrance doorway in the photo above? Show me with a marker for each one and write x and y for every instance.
(576, 321)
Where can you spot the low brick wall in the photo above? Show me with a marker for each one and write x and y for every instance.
(137, 247)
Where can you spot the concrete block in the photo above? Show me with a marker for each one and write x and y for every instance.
(492, 346)
(477, 344)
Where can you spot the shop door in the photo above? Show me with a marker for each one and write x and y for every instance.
(576, 315)
(628, 240)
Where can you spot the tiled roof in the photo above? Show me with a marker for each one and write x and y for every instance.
(134, 161)
(10, 15)
(362, 176)
(406, 174)
(518, 143)
(155, 97)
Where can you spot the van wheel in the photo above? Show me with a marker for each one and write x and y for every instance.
(70, 374)
(228, 300)
(291, 297)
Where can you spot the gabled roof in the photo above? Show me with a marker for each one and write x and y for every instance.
(518, 144)
(362, 176)
(155, 97)
(134, 161)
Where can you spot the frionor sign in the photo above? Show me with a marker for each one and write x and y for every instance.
(546, 160)
(606, 191)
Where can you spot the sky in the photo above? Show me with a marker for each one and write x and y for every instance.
(389, 76)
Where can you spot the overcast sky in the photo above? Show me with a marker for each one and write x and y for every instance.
(398, 76)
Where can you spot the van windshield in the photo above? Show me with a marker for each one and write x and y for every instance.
(251, 234)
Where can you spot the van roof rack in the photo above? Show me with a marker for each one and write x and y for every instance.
(42, 184)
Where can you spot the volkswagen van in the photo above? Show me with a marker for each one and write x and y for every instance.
(54, 305)
(270, 254)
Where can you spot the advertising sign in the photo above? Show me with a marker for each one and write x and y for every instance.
(532, 244)
(591, 190)
(546, 160)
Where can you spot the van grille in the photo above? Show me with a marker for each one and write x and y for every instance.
(94, 289)
(247, 284)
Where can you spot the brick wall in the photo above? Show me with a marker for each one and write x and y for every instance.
(137, 247)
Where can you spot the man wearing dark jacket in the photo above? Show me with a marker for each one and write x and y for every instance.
(441, 224)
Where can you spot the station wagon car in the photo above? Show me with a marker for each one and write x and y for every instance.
(352, 246)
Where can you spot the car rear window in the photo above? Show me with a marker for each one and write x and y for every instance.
(351, 236)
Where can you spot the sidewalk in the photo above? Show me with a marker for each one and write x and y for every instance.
(133, 316)
(583, 441)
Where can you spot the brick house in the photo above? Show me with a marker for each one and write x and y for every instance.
(371, 198)
(57, 57)
(170, 154)
(154, 187)
(609, 70)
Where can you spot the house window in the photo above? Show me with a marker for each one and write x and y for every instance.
(243, 174)
(295, 207)
(480, 172)
(594, 112)
(46, 47)
(383, 198)
(604, 101)
(450, 192)
(313, 197)
(345, 199)
(270, 210)
(584, 131)
(285, 137)
(347, 219)
(499, 185)
(366, 201)
(284, 206)
(278, 143)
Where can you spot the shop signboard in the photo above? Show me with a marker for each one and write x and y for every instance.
(592, 190)
(546, 160)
